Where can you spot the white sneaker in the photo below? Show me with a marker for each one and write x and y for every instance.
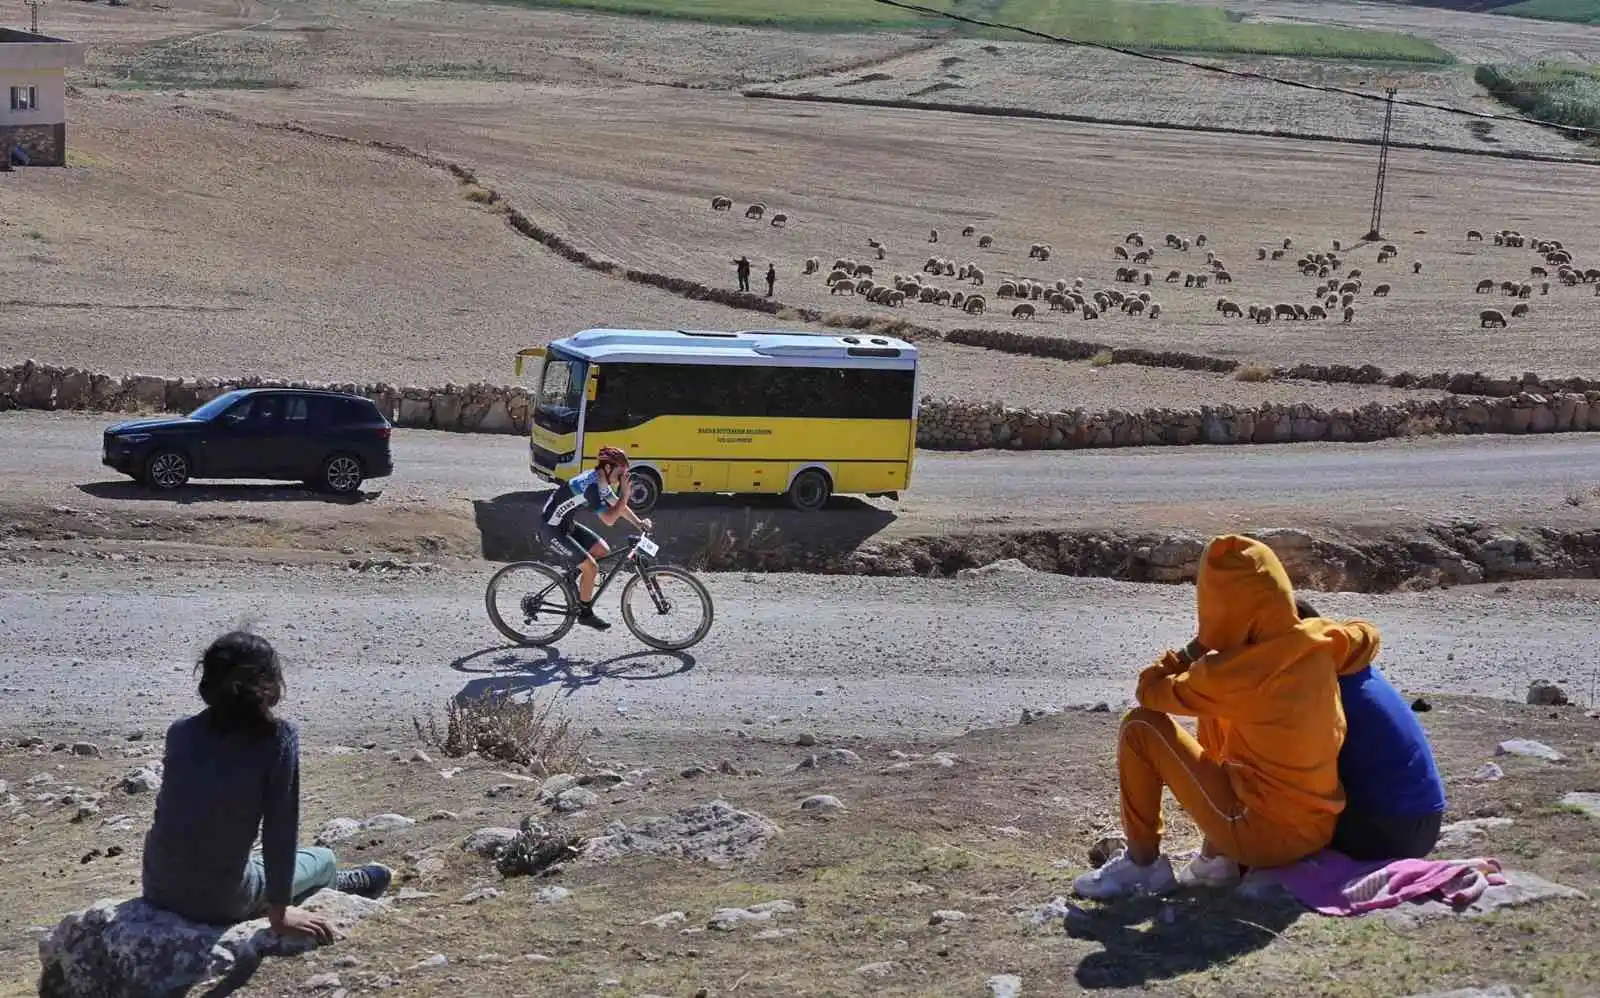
(1122, 876)
(1218, 871)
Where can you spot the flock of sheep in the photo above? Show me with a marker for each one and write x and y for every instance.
(1552, 252)
(757, 211)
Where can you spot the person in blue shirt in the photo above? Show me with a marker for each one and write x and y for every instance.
(1394, 798)
(596, 489)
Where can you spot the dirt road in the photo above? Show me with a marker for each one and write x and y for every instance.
(93, 646)
(472, 489)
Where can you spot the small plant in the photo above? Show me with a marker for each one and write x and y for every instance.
(1253, 372)
(478, 195)
(534, 850)
(726, 548)
(1577, 497)
(1104, 358)
(34, 234)
(505, 729)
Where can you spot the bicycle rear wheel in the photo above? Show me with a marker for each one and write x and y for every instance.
(531, 603)
(666, 607)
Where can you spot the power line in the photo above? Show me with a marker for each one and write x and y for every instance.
(1244, 74)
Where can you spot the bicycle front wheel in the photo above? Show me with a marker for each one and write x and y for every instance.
(666, 607)
(531, 603)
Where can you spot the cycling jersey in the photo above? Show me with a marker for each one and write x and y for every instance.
(583, 490)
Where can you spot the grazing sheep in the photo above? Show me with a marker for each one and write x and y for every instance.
(779, 219)
(1520, 311)
(1263, 314)
(1416, 266)
(1183, 245)
(1591, 275)
(1090, 312)
(1035, 291)
(720, 203)
(1143, 256)
(843, 288)
(957, 300)
(1173, 276)
(1349, 313)
(1336, 246)
(864, 286)
(1261, 253)
(1380, 291)
(1155, 310)
(1133, 306)
(984, 242)
(1033, 250)
(1125, 274)
(1007, 289)
(1045, 251)
(1349, 288)
(1509, 287)
(1058, 302)
(968, 231)
(1287, 243)
(1228, 308)
(949, 268)
(1347, 300)
(838, 275)
(812, 265)
(943, 298)
(1301, 313)
(895, 300)
(933, 235)
(843, 264)
(1317, 312)
(1144, 296)
(863, 270)
(1277, 254)
(1023, 311)
(1538, 272)
(1188, 280)
(756, 210)
(1544, 288)
(1147, 276)
(873, 243)
(928, 295)
(1389, 248)
(1283, 311)
(1200, 280)
(1119, 253)
(1354, 275)
(1223, 277)
(1200, 240)
(1473, 235)
(1491, 317)
(1134, 238)
(975, 305)
(975, 275)
(1173, 241)
(1330, 301)
(880, 251)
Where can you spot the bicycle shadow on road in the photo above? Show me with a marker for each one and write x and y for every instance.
(693, 529)
(508, 670)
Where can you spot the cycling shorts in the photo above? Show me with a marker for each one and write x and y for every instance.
(576, 539)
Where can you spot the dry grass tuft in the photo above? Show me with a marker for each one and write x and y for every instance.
(1577, 497)
(727, 548)
(502, 728)
(1253, 372)
(480, 195)
(1104, 358)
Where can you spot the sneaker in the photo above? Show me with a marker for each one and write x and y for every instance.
(368, 881)
(587, 618)
(1122, 876)
(1217, 871)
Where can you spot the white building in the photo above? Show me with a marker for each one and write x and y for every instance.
(33, 97)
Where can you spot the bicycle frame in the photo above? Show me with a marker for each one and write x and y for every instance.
(610, 564)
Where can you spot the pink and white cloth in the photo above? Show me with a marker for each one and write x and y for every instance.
(1332, 883)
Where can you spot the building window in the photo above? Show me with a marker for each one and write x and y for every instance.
(24, 98)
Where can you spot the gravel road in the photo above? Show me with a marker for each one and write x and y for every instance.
(50, 456)
(108, 648)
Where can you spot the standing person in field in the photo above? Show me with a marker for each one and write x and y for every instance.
(1262, 780)
(231, 770)
(1394, 797)
(742, 268)
(772, 279)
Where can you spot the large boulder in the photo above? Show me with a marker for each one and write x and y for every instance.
(716, 833)
(131, 949)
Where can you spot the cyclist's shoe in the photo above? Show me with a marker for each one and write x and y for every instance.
(368, 881)
(587, 618)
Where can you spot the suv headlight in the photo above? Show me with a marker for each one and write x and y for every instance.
(133, 438)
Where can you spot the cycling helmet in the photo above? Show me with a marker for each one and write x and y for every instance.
(612, 455)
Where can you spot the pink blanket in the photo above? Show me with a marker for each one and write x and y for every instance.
(1334, 884)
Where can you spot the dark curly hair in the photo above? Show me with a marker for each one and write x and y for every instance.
(241, 680)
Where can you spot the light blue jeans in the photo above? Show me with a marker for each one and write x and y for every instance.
(314, 869)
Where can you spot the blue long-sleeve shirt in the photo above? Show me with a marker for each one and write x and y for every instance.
(1386, 766)
(218, 789)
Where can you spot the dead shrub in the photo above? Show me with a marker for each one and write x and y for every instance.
(479, 195)
(535, 850)
(524, 732)
(1103, 359)
(1253, 372)
(728, 548)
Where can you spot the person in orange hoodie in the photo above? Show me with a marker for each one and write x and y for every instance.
(1261, 780)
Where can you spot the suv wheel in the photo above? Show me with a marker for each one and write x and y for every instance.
(341, 474)
(167, 470)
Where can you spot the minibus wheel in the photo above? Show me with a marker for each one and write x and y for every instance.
(810, 490)
(644, 490)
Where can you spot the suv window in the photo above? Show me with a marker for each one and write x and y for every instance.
(353, 411)
(297, 412)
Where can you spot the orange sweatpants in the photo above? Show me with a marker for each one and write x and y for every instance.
(1153, 752)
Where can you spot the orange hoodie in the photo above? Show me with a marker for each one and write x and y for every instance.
(1267, 696)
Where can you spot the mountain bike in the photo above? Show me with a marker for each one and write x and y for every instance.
(543, 600)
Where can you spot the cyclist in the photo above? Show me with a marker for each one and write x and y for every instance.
(604, 491)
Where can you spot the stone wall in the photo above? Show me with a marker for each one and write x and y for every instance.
(46, 145)
(944, 424)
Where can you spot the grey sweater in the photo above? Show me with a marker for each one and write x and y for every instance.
(218, 788)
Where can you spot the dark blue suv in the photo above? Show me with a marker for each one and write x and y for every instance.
(329, 440)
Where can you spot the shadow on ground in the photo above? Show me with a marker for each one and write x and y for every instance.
(711, 531)
(1154, 939)
(508, 670)
(230, 492)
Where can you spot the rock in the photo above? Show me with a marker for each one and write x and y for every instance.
(1463, 836)
(1420, 706)
(1530, 749)
(1103, 850)
(768, 935)
(144, 780)
(417, 755)
(436, 960)
(806, 740)
(665, 920)
(130, 949)
(728, 919)
(551, 895)
(946, 915)
(822, 802)
(715, 833)
(575, 799)
(1006, 566)
(321, 982)
(86, 810)
(1056, 909)
(555, 786)
(1543, 693)
(480, 894)
(1100, 708)
(1004, 986)
(387, 823)
(1520, 889)
(89, 749)
(489, 842)
(693, 772)
(832, 757)
(1489, 772)
(1497, 991)
(337, 830)
(442, 816)
(877, 971)
(1588, 803)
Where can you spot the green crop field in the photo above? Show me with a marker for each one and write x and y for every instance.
(1576, 11)
(1147, 26)
(1564, 94)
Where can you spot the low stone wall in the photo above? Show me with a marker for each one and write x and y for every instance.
(46, 145)
(944, 424)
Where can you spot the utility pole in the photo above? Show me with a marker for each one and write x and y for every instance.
(33, 14)
(1376, 231)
